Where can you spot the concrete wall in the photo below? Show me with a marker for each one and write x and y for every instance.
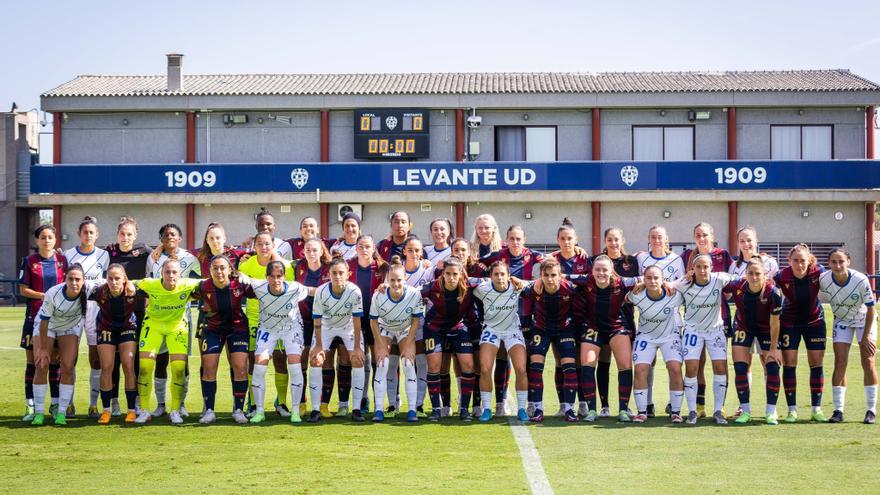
(637, 218)
(710, 136)
(573, 130)
(269, 141)
(753, 129)
(149, 137)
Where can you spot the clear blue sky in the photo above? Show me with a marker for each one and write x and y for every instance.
(49, 43)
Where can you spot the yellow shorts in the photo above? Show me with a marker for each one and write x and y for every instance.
(176, 339)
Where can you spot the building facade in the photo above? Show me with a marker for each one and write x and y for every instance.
(580, 123)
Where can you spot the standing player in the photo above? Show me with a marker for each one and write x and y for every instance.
(524, 264)
(557, 312)
(312, 273)
(165, 325)
(658, 330)
(486, 239)
(447, 328)
(255, 269)
(802, 318)
(474, 269)
(393, 244)
(264, 221)
(132, 255)
(279, 321)
(116, 334)
(573, 261)
(673, 269)
(395, 314)
(366, 272)
(94, 262)
(39, 272)
(758, 306)
(704, 241)
(189, 266)
(61, 318)
(625, 265)
(852, 302)
(704, 331)
(225, 325)
(337, 312)
(605, 293)
(500, 302)
(346, 245)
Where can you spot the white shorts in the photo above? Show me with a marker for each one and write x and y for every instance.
(644, 351)
(843, 333)
(714, 341)
(510, 338)
(91, 322)
(395, 337)
(346, 335)
(291, 338)
(75, 330)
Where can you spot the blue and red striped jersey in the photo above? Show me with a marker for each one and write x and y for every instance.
(753, 309)
(801, 304)
(310, 278)
(39, 274)
(603, 306)
(223, 307)
(446, 311)
(721, 259)
(556, 312)
(579, 264)
(115, 312)
(298, 243)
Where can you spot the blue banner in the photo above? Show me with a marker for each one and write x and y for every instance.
(439, 176)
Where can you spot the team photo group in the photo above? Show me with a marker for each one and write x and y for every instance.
(365, 316)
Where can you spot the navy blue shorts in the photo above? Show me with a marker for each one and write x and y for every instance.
(27, 333)
(117, 336)
(456, 340)
(539, 343)
(813, 337)
(745, 338)
(599, 338)
(214, 341)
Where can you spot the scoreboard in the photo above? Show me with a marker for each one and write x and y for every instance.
(388, 133)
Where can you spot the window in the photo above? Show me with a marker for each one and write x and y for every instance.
(801, 142)
(525, 144)
(658, 143)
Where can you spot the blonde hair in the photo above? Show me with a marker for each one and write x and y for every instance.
(494, 242)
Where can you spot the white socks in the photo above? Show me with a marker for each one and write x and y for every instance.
(690, 392)
(719, 391)
(422, 371)
(65, 395)
(650, 389)
(40, 398)
(316, 381)
(159, 386)
(675, 399)
(392, 363)
(258, 387)
(94, 386)
(839, 397)
(380, 384)
(871, 397)
(522, 396)
(295, 372)
(357, 386)
(411, 384)
(486, 400)
(641, 397)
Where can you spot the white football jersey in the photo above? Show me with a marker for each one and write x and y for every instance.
(338, 311)
(500, 309)
(279, 312)
(94, 264)
(770, 267)
(189, 264)
(61, 312)
(657, 319)
(396, 316)
(671, 264)
(421, 276)
(346, 250)
(435, 256)
(702, 303)
(849, 301)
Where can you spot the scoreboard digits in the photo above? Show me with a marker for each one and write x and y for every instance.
(391, 133)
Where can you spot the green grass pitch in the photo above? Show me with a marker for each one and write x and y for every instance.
(450, 457)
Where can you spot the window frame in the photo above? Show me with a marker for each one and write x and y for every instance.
(632, 140)
(801, 126)
(525, 139)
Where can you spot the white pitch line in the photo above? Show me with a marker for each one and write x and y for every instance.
(531, 460)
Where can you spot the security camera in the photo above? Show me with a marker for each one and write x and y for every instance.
(474, 121)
